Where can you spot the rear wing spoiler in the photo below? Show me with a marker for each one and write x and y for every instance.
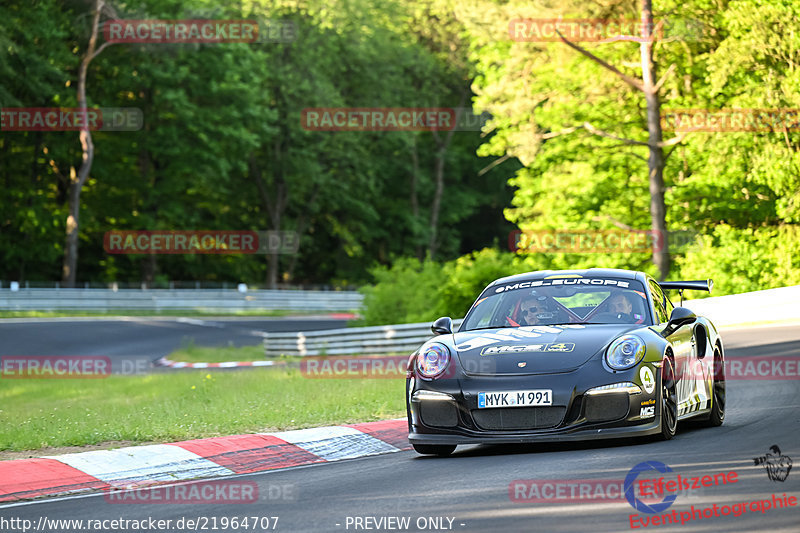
(695, 285)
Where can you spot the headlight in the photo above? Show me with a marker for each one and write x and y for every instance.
(625, 352)
(433, 360)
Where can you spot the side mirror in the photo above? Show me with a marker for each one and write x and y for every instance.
(442, 326)
(680, 317)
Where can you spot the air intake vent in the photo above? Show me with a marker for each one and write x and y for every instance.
(517, 418)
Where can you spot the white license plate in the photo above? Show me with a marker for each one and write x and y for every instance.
(517, 398)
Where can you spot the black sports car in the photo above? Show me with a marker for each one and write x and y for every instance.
(566, 355)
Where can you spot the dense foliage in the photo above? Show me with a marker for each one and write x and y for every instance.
(739, 191)
(223, 147)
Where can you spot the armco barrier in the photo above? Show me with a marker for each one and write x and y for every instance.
(181, 299)
(724, 311)
(771, 305)
(403, 338)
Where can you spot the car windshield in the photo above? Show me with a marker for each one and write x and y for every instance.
(560, 301)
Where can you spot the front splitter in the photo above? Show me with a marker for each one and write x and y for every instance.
(522, 438)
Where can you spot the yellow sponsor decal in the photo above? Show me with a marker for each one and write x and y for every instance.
(561, 347)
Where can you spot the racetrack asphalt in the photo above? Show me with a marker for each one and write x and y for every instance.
(472, 486)
(138, 340)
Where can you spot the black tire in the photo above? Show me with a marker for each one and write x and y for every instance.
(717, 415)
(669, 400)
(434, 449)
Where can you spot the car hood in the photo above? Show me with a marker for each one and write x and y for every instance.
(533, 349)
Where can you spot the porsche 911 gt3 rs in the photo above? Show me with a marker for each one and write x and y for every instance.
(566, 355)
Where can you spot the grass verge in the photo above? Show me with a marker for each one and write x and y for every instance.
(189, 353)
(171, 406)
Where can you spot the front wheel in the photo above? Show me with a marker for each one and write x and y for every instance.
(717, 415)
(434, 449)
(669, 400)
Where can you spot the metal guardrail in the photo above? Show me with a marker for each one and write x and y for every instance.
(770, 305)
(186, 299)
(403, 338)
(173, 285)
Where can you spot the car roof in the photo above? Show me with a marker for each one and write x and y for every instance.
(585, 273)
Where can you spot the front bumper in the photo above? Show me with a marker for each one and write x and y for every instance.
(487, 437)
(446, 411)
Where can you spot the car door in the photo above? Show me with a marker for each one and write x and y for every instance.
(681, 340)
